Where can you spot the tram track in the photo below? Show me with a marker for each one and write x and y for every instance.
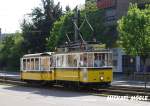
(123, 92)
(113, 90)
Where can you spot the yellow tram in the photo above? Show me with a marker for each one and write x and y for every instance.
(73, 68)
(79, 62)
(37, 67)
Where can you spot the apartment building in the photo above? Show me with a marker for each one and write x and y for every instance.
(115, 9)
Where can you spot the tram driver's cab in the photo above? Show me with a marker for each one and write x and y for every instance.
(84, 67)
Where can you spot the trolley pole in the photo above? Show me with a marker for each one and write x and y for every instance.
(76, 20)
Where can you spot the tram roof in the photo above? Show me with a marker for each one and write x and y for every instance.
(65, 53)
(39, 54)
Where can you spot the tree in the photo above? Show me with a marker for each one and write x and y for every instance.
(36, 28)
(65, 26)
(91, 1)
(60, 28)
(11, 52)
(95, 18)
(134, 32)
(52, 41)
(68, 9)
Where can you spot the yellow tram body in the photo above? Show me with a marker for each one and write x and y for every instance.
(42, 76)
(68, 67)
(34, 72)
(87, 73)
(93, 75)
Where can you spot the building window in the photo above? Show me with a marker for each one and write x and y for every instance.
(110, 15)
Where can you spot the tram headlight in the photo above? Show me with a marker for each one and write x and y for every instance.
(101, 78)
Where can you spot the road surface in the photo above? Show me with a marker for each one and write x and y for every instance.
(11, 95)
(118, 82)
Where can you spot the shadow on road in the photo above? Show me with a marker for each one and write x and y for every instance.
(55, 92)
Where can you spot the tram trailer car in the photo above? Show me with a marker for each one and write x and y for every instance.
(76, 68)
(37, 67)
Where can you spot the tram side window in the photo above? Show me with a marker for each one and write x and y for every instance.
(44, 63)
(72, 61)
(62, 61)
(76, 60)
(99, 60)
(51, 63)
(54, 61)
(90, 59)
(65, 61)
(32, 64)
(28, 64)
(24, 64)
(83, 60)
(36, 64)
(59, 61)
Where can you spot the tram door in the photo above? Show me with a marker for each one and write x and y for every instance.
(66, 67)
(45, 68)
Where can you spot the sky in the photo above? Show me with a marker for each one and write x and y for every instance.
(12, 12)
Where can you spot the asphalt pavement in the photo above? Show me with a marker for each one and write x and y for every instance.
(118, 80)
(11, 95)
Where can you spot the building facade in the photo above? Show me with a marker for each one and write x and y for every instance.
(123, 63)
(115, 9)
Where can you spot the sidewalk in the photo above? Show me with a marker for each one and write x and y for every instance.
(121, 80)
(130, 83)
(12, 75)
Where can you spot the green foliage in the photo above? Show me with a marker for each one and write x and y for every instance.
(65, 26)
(134, 31)
(38, 24)
(55, 33)
(68, 9)
(90, 4)
(10, 52)
(94, 17)
(58, 33)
